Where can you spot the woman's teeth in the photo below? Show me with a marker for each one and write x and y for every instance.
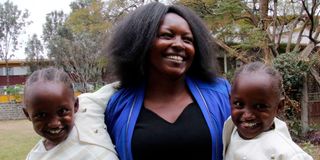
(175, 58)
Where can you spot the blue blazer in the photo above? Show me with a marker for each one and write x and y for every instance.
(124, 106)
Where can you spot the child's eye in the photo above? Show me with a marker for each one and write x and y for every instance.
(237, 104)
(40, 115)
(63, 111)
(261, 106)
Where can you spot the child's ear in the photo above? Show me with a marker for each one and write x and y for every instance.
(76, 105)
(26, 113)
(280, 106)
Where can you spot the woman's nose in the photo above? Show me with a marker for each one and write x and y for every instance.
(178, 43)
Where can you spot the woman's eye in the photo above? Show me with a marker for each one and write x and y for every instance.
(188, 40)
(165, 35)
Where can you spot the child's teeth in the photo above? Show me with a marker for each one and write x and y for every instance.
(249, 124)
(54, 131)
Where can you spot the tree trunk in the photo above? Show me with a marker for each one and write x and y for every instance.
(264, 13)
(294, 25)
(7, 78)
(265, 22)
(7, 73)
(304, 107)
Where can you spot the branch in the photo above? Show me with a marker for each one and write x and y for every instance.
(307, 51)
(295, 23)
(231, 51)
(315, 74)
(310, 16)
(253, 17)
(296, 48)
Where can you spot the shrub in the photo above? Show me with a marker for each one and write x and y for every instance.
(293, 71)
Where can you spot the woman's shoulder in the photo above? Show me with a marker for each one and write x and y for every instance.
(99, 97)
(218, 84)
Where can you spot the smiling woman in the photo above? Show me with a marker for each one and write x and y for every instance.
(170, 99)
(173, 51)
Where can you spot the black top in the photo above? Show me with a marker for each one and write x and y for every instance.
(187, 138)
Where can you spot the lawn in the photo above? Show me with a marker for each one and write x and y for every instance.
(16, 139)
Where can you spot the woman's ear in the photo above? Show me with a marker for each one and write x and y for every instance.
(76, 105)
(26, 113)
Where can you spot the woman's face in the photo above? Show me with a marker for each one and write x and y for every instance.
(173, 51)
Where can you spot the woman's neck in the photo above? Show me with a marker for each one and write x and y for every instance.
(163, 91)
(160, 85)
(167, 97)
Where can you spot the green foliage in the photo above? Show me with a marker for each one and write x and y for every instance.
(249, 35)
(34, 52)
(230, 21)
(88, 18)
(293, 70)
(54, 25)
(229, 75)
(291, 115)
(12, 21)
(308, 147)
(76, 41)
(15, 91)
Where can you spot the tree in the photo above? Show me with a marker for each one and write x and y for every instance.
(262, 30)
(53, 26)
(35, 53)
(12, 21)
(75, 42)
(117, 9)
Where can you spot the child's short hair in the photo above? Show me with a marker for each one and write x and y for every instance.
(50, 74)
(268, 69)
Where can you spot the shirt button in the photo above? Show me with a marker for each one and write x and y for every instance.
(273, 156)
(84, 110)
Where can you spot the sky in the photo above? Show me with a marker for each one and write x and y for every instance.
(37, 10)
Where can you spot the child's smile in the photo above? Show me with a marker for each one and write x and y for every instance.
(51, 107)
(254, 104)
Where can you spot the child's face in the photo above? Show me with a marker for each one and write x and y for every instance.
(254, 103)
(51, 107)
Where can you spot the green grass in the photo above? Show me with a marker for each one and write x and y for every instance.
(17, 138)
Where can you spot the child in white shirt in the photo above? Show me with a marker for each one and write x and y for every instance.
(51, 106)
(253, 132)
